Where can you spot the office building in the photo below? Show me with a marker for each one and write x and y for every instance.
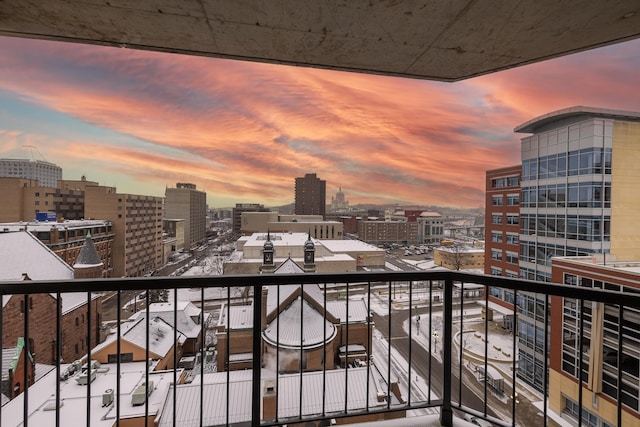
(430, 227)
(45, 173)
(598, 337)
(245, 207)
(578, 198)
(187, 203)
(502, 222)
(30, 198)
(310, 195)
(137, 228)
(387, 232)
(261, 222)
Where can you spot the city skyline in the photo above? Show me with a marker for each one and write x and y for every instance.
(244, 131)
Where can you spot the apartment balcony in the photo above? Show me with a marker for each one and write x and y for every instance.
(292, 350)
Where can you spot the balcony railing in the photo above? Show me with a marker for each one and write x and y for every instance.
(293, 349)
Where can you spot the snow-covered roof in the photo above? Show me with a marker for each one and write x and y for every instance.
(288, 394)
(289, 266)
(241, 316)
(186, 313)
(427, 214)
(48, 225)
(358, 311)
(160, 336)
(74, 410)
(22, 252)
(342, 246)
(88, 256)
(299, 325)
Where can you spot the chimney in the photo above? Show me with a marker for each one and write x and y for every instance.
(269, 399)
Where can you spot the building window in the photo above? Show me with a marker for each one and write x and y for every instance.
(498, 183)
(496, 271)
(512, 219)
(496, 254)
(512, 181)
(512, 257)
(496, 219)
(513, 200)
(496, 200)
(496, 237)
(512, 239)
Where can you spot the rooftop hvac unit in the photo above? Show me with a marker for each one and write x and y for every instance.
(107, 397)
(140, 394)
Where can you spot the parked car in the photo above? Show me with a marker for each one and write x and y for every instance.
(477, 421)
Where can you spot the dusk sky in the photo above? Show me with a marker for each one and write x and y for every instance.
(243, 131)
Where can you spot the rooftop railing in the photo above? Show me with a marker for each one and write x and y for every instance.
(298, 349)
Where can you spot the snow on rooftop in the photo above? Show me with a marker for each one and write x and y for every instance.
(21, 253)
(235, 407)
(187, 314)
(48, 225)
(74, 408)
(299, 324)
(337, 246)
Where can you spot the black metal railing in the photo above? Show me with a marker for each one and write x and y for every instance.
(345, 364)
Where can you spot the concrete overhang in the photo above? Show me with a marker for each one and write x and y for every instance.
(431, 39)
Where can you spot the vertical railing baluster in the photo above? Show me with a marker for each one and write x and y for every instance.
(390, 339)
(446, 412)
(256, 416)
(175, 352)
(277, 318)
(545, 390)
(486, 349)
(203, 333)
(461, 344)
(147, 351)
(324, 351)
(580, 361)
(430, 338)
(346, 371)
(88, 341)
(58, 353)
(301, 347)
(25, 360)
(118, 350)
(514, 327)
(369, 343)
(410, 340)
(620, 350)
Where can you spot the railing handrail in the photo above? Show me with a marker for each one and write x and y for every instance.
(113, 284)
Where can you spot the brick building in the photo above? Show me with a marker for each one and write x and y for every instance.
(24, 258)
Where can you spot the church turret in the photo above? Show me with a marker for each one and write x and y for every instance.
(88, 265)
(268, 265)
(309, 255)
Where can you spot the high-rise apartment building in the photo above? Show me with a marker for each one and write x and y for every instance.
(311, 195)
(187, 203)
(47, 174)
(137, 228)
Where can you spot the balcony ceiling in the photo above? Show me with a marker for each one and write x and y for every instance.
(430, 39)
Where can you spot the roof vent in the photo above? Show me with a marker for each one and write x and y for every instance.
(140, 394)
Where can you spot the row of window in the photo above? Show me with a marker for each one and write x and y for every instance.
(511, 238)
(510, 181)
(579, 162)
(573, 227)
(512, 200)
(571, 195)
(541, 253)
(512, 218)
